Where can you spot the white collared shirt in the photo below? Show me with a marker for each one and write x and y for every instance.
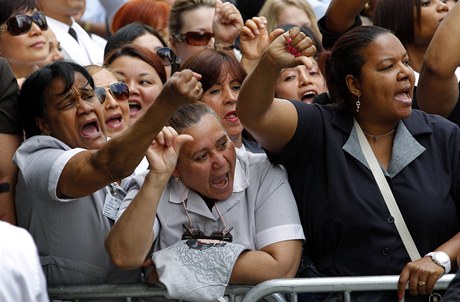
(84, 52)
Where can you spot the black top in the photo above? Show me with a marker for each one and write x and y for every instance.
(9, 106)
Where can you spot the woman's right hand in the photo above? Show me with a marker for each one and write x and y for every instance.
(183, 87)
(290, 49)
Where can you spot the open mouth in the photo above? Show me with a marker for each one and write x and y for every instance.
(90, 129)
(134, 107)
(221, 182)
(114, 121)
(308, 96)
(232, 117)
(404, 96)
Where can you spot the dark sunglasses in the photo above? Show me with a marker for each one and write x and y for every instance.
(118, 90)
(167, 55)
(194, 38)
(198, 234)
(21, 24)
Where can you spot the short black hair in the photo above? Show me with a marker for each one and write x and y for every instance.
(10, 7)
(35, 89)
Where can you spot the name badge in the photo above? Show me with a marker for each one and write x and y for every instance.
(111, 206)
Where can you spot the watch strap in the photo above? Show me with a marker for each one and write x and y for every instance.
(446, 265)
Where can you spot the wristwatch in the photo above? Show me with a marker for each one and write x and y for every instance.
(442, 259)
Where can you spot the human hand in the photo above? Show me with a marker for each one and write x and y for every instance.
(290, 49)
(183, 87)
(421, 275)
(152, 276)
(254, 38)
(163, 153)
(227, 23)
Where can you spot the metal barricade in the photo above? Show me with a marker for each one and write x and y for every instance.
(271, 290)
(125, 291)
(331, 284)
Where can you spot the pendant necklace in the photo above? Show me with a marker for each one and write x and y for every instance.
(376, 137)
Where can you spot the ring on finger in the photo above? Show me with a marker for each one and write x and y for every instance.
(421, 283)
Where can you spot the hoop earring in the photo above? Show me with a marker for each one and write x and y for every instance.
(358, 104)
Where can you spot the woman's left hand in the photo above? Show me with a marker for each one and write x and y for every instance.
(290, 49)
(421, 275)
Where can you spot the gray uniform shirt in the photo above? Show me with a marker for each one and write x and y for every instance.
(261, 210)
(69, 233)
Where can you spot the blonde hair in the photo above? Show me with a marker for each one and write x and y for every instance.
(179, 7)
(273, 8)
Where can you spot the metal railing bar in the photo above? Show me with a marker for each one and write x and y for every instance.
(331, 284)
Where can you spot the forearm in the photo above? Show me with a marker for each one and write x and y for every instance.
(341, 14)
(257, 92)
(452, 248)
(7, 207)
(437, 90)
(253, 267)
(131, 238)
(121, 155)
(8, 177)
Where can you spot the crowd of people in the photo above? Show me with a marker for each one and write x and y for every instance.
(200, 143)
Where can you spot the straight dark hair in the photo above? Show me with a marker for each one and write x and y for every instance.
(35, 91)
(141, 53)
(398, 16)
(9, 8)
(211, 64)
(128, 33)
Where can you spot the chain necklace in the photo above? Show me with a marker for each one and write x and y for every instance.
(376, 137)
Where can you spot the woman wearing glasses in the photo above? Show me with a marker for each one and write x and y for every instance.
(22, 41)
(68, 190)
(198, 24)
(144, 35)
(198, 185)
(114, 96)
(142, 71)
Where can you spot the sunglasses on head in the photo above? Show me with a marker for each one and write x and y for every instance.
(118, 90)
(194, 38)
(198, 234)
(167, 55)
(21, 24)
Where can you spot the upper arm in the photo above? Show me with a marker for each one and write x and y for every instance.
(276, 127)
(437, 93)
(437, 90)
(341, 14)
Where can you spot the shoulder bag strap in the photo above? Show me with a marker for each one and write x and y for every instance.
(387, 194)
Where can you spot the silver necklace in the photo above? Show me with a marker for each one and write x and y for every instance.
(376, 137)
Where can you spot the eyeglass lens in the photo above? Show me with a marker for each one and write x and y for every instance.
(119, 90)
(197, 38)
(167, 56)
(21, 24)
